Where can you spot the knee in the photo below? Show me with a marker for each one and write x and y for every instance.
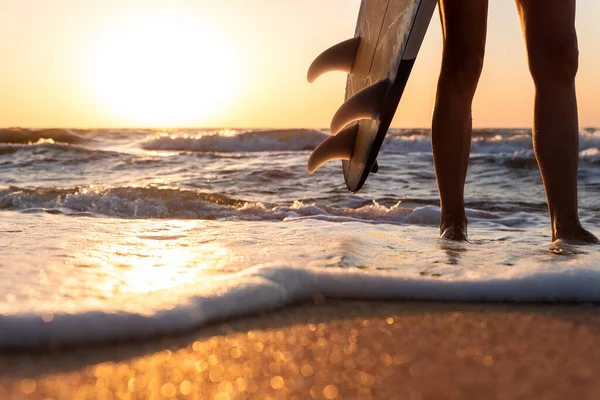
(461, 68)
(554, 63)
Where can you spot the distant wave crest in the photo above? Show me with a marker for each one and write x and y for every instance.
(511, 143)
(23, 136)
(511, 147)
(251, 141)
(47, 150)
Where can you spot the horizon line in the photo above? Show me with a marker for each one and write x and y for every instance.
(246, 128)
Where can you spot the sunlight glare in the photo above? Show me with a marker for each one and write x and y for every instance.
(163, 69)
(143, 266)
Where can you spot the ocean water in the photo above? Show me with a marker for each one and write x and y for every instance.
(117, 234)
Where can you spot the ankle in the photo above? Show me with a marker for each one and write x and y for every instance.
(573, 231)
(453, 218)
(563, 226)
(453, 226)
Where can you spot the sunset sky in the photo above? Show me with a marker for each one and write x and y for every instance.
(235, 63)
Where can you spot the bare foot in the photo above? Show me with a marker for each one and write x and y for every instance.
(454, 230)
(575, 234)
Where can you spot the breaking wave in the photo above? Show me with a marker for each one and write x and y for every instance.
(150, 202)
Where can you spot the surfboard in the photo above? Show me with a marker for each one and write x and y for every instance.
(378, 60)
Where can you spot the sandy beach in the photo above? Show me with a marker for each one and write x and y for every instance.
(337, 350)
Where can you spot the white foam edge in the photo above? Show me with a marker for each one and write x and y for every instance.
(267, 287)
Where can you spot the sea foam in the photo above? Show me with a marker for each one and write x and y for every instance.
(270, 286)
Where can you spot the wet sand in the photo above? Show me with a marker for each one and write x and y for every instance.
(337, 349)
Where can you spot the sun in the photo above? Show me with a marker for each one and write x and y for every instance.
(163, 69)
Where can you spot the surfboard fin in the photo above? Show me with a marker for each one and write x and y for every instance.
(337, 147)
(336, 58)
(365, 104)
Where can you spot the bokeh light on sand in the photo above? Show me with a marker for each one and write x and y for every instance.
(337, 350)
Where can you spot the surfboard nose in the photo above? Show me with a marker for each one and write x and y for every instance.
(339, 57)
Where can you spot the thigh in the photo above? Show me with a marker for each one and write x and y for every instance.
(550, 37)
(464, 26)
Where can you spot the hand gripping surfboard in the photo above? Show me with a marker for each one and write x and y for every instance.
(378, 61)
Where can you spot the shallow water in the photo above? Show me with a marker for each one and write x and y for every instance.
(132, 233)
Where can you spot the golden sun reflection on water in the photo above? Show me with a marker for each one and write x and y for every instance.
(150, 259)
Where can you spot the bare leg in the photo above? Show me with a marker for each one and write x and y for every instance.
(551, 41)
(464, 24)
